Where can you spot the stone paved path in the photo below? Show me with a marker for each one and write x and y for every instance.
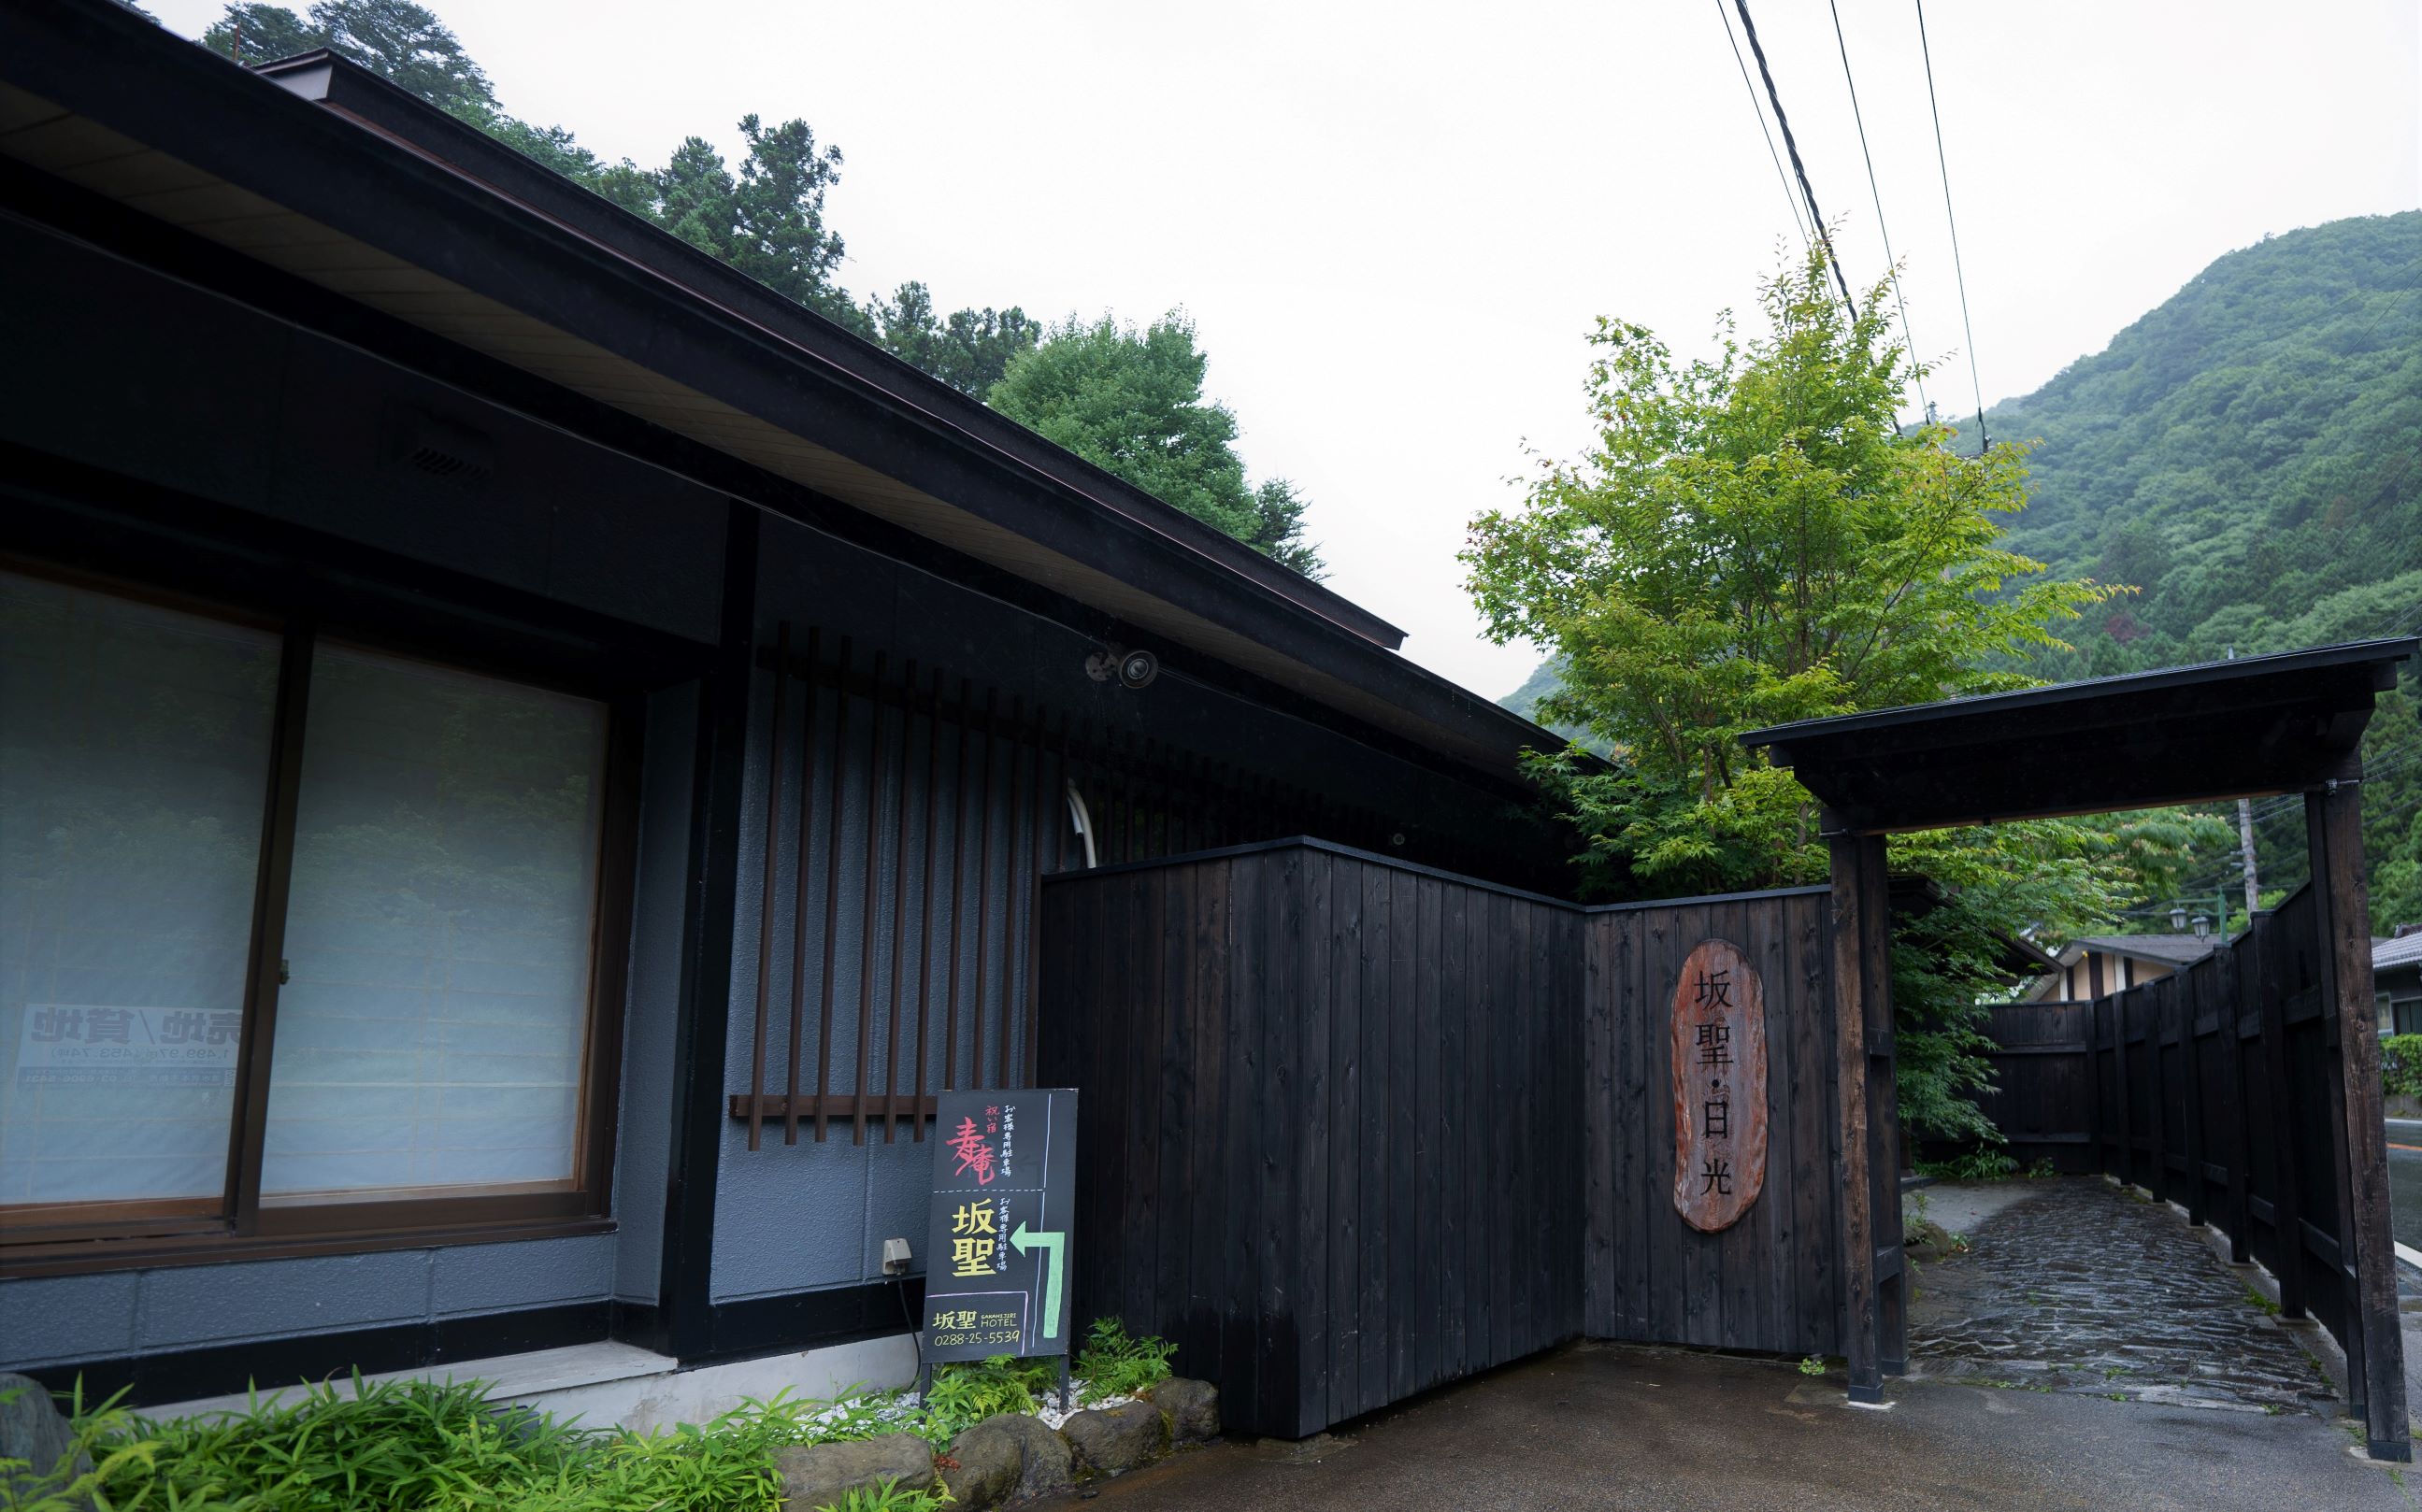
(2080, 1287)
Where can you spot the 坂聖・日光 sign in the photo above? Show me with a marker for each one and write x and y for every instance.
(1719, 1087)
(998, 1233)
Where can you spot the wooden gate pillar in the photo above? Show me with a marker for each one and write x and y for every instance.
(2376, 1370)
(1874, 1314)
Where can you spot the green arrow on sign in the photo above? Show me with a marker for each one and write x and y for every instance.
(1023, 1238)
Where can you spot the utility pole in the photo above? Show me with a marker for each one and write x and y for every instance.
(2246, 840)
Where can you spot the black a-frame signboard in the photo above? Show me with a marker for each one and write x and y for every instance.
(1000, 1226)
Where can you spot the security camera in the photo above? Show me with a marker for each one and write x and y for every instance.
(1133, 669)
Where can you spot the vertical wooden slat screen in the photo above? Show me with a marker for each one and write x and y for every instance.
(765, 922)
(919, 752)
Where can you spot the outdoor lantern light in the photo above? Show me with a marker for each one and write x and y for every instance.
(2203, 925)
(2179, 917)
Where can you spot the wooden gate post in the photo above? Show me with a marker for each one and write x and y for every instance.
(2333, 822)
(1862, 931)
(1883, 1109)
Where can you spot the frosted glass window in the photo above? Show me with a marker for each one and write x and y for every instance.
(134, 755)
(435, 1024)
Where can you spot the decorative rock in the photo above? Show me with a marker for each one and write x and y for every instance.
(990, 1462)
(1007, 1459)
(31, 1430)
(1119, 1438)
(818, 1475)
(1192, 1407)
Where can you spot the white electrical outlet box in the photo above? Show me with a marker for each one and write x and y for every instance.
(895, 1257)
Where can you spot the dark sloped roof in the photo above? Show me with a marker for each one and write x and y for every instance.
(2256, 724)
(2175, 949)
(327, 174)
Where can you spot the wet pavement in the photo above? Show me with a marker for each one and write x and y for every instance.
(2076, 1286)
(1631, 1429)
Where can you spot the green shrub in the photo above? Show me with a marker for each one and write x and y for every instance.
(419, 1446)
(1113, 1364)
(964, 1395)
(2400, 1064)
(887, 1497)
(1974, 1166)
(101, 1440)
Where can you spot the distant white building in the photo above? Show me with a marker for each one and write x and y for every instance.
(2397, 980)
(2097, 964)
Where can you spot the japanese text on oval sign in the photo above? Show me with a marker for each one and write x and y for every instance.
(1718, 1058)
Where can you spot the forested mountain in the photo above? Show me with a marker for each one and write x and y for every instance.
(2245, 455)
(2249, 457)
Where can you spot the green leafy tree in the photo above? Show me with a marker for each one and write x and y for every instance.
(408, 43)
(1755, 540)
(1130, 402)
(1278, 527)
(766, 218)
(393, 38)
(1752, 539)
(258, 34)
(969, 349)
(2246, 454)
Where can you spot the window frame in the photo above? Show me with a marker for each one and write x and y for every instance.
(66, 1237)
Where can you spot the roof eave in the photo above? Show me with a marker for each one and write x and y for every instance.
(210, 113)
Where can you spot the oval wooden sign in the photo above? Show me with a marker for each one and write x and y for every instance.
(1719, 1087)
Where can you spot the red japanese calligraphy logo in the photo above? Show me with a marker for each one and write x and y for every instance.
(974, 1154)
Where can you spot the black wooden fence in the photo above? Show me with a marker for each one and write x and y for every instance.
(2218, 1088)
(2040, 1097)
(1355, 1128)
(1772, 1281)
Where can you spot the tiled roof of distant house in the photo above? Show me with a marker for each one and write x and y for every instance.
(2177, 949)
(2403, 951)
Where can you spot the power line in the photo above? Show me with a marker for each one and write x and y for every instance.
(1792, 146)
(1944, 162)
(1759, 111)
(1877, 190)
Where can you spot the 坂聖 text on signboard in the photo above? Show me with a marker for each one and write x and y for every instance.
(72, 1042)
(996, 1248)
(1719, 1049)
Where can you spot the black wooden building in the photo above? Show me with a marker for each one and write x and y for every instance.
(528, 761)
(570, 735)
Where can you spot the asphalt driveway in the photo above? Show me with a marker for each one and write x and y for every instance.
(1616, 1428)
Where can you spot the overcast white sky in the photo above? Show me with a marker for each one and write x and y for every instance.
(1394, 223)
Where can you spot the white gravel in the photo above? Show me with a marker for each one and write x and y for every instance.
(903, 1408)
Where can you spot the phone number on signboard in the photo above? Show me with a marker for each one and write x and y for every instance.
(981, 1335)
